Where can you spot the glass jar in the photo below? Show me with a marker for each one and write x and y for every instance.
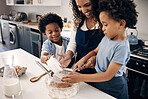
(59, 89)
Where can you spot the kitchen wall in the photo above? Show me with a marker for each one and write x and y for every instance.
(3, 7)
(64, 10)
(142, 24)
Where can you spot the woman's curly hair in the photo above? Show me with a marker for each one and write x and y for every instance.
(120, 9)
(78, 16)
(49, 18)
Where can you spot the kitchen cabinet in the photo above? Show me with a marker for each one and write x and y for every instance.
(9, 2)
(34, 2)
(24, 38)
(47, 2)
(35, 42)
(27, 39)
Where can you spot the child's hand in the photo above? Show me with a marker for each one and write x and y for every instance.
(45, 58)
(73, 77)
(65, 61)
(80, 64)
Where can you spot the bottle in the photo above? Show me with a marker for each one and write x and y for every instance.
(65, 23)
(11, 83)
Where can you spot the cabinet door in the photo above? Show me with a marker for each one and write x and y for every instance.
(47, 2)
(36, 42)
(27, 40)
(9, 2)
(21, 39)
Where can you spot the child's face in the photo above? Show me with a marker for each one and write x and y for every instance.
(111, 28)
(53, 32)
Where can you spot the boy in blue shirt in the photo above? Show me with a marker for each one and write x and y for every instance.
(113, 53)
(51, 26)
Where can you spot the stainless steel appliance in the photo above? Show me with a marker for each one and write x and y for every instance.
(13, 36)
(138, 71)
(36, 42)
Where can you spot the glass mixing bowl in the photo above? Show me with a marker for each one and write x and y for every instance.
(59, 89)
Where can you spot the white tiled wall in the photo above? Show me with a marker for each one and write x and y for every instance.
(64, 10)
(3, 8)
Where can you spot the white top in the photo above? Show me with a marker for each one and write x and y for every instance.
(38, 90)
(72, 44)
(60, 50)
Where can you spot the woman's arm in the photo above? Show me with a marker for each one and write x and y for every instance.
(70, 51)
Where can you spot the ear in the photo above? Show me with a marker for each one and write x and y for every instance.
(44, 34)
(122, 22)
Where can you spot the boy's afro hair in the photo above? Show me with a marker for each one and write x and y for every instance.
(49, 18)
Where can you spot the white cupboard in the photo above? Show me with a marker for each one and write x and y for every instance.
(34, 2)
(47, 2)
(9, 2)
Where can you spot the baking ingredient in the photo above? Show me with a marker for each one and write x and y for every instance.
(12, 87)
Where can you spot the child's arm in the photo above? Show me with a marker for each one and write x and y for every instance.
(44, 57)
(83, 60)
(75, 77)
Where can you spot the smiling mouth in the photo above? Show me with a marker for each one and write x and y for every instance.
(87, 13)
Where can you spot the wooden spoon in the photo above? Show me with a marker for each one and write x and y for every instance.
(34, 79)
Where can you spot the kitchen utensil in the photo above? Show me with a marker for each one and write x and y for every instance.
(20, 16)
(34, 79)
(54, 65)
(40, 64)
(132, 35)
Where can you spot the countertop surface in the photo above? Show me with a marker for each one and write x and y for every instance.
(65, 31)
(38, 90)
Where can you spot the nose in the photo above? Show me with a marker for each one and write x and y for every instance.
(83, 10)
(103, 29)
(54, 33)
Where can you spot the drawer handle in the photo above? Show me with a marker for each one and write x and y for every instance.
(143, 65)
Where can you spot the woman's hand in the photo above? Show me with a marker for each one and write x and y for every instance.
(73, 77)
(91, 62)
(65, 61)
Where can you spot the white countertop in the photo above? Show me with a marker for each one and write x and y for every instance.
(38, 90)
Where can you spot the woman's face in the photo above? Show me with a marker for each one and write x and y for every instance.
(53, 32)
(85, 6)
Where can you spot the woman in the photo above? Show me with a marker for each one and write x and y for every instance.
(88, 32)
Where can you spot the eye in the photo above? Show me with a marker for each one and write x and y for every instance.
(79, 6)
(105, 25)
(87, 4)
(50, 32)
(57, 30)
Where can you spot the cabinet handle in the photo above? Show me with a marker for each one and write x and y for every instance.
(39, 47)
(27, 29)
(19, 27)
(143, 65)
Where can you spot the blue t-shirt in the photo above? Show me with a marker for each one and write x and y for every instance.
(112, 51)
